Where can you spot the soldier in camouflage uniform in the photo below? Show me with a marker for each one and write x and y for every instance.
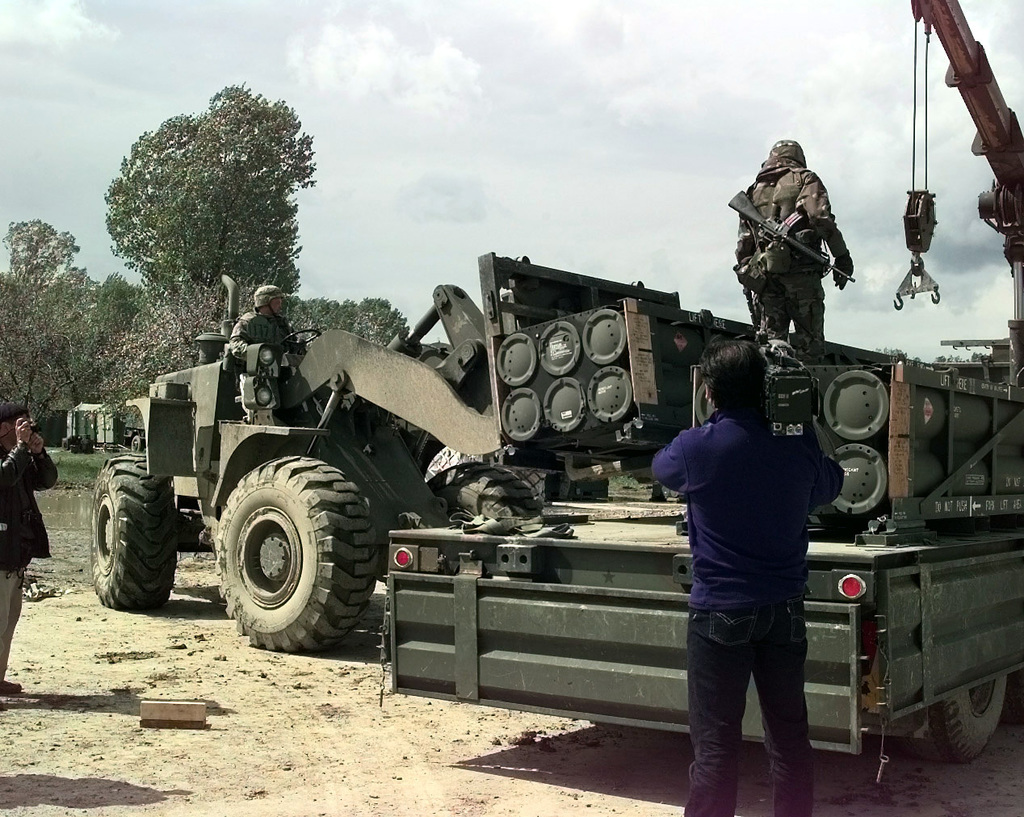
(783, 285)
(265, 324)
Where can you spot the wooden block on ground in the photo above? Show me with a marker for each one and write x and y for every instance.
(173, 714)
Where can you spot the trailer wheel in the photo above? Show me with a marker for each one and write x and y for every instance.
(1013, 706)
(295, 555)
(959, 728)
(134, 536)
(488, 490)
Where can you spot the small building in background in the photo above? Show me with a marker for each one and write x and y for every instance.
(93, 421)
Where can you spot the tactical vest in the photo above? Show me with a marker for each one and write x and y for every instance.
(776, 197)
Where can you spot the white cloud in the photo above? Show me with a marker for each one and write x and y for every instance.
(444, 197)
(371, 62)
(49, 22)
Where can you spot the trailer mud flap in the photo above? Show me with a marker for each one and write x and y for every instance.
(592, 653)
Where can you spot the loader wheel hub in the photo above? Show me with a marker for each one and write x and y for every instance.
(270, 558)
(274, 557)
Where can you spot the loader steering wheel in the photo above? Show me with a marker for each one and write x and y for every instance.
(296, 341)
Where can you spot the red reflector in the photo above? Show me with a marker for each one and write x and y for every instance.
(403, 558)
(851, 586)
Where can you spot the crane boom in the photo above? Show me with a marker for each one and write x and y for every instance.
(999, 136)
(999, 140)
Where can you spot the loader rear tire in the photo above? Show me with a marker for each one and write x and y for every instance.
(959, 728)
(134, 536)
(296, 555)
(487, 490)
(1013, 706)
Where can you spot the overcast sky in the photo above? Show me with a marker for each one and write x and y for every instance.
(598, 136)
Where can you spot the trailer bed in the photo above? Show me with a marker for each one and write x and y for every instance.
(594, 627)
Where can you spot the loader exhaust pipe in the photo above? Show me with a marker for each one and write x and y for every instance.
(231, 315)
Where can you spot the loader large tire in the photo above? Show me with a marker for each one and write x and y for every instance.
(959, 728)
(1013, 706)
(296, 555)
(488, 490)
(134, 536)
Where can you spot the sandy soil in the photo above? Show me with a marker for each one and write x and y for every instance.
(313, 735)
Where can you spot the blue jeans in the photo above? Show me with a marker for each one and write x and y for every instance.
(723, 650)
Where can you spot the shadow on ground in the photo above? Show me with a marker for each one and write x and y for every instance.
(203, 603)
(191, 604)
(652, 766)
(634, 763)
(125, 701)
(28, 790)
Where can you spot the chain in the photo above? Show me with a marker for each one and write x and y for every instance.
(883, 758)
(385, 648)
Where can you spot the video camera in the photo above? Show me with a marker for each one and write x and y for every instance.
(791, 399)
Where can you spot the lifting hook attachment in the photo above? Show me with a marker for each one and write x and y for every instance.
(916, 281)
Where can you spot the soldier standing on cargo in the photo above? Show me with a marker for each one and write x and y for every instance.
(783, 286)
(748, 493)
(25, 468)
(265, 324)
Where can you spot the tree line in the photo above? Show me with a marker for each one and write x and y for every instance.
(201, 196)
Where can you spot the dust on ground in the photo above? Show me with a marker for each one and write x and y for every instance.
(307, 735)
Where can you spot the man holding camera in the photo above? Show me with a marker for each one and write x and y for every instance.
(24, 469)
(749, 493)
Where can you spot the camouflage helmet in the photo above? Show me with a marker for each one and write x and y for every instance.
(788, 149)
(266, 293)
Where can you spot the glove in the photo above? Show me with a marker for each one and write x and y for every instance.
(844, 264)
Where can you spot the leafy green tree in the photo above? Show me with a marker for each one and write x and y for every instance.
(214, 194)
(159, 337)
(46, 335)
(38, 252)
(372, 318)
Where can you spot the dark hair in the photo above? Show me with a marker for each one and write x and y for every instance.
(733, 370)
(12, 411)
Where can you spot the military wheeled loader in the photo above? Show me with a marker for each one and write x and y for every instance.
(293, 466)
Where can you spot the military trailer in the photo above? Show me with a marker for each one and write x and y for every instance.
(915, 601)
(915, 597)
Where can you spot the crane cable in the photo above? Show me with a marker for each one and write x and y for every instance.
(913, 151)
(919, 217)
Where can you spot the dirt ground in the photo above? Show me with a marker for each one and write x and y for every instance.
(298, 735)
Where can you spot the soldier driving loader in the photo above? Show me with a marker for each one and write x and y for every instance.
(264, 324)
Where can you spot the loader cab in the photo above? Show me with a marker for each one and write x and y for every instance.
(266, 368)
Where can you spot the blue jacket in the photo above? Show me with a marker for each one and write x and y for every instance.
(749, 493)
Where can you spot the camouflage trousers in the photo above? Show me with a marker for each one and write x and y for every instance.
(796, 298)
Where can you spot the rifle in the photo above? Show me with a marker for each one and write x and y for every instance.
(742, 204)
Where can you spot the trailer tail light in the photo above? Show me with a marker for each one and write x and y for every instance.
(402, 558)
(852, 586)
(869, 640)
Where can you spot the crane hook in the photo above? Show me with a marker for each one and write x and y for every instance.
(915, 281)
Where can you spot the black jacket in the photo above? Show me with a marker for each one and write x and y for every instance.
(18, 507)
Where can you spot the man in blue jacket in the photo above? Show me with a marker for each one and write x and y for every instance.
(749, 493)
